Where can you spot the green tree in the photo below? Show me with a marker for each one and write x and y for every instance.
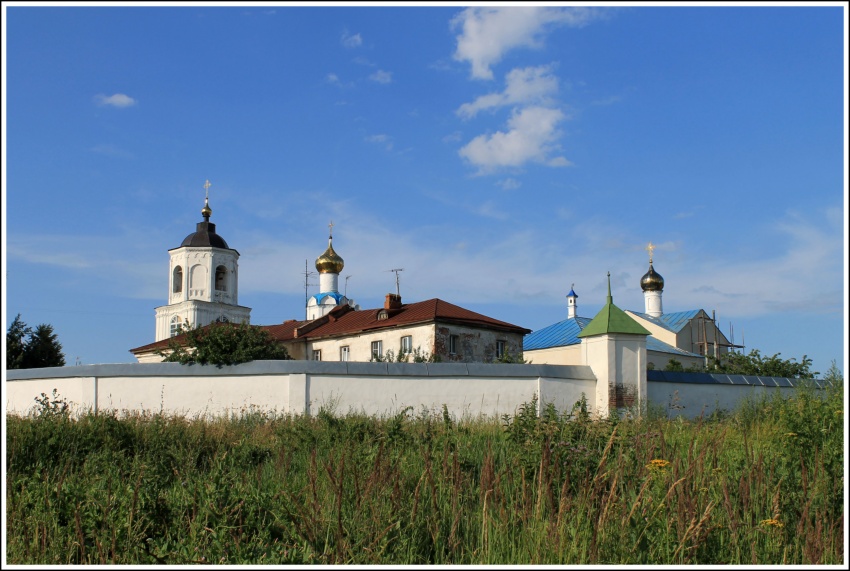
(28, 348)
(755, 364)
(673, 365)
(834, 375)
(16, 343)
(223, 344)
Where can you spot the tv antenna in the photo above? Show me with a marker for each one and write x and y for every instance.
(397, 270)
(307, 275)
(345, 290)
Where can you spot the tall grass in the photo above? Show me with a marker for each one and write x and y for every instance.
(763, 485)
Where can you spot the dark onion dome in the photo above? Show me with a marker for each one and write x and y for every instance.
(329, 262)
(651, 280)
(205, 236)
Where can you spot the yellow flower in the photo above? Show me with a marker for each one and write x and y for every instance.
(658, 464)
(792, 434)
(772, 523)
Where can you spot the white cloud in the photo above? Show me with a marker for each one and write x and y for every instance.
(509, 184)
(523, 86)
(332, 78)
(530, 137)
(117, 100)
(487, 34)
(350, 41)
(381, 139)
(382, 76)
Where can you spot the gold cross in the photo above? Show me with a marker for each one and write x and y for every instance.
(207, 186)
(649, 249)
(331, 228)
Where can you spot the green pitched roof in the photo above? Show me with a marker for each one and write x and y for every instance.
(612, 319)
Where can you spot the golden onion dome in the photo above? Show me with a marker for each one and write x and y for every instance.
(329, 262)
(206, 210)
(651, 280)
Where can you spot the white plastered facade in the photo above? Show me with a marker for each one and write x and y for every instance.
(203, 286)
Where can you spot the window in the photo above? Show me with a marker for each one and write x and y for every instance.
(382, 315)
(453, 342)
(222, 319)
(317, 354)
(377, 349)
(344, 353)
(500, 349)
(177, 280)
(221, 278)
(175, 325)
(407, 344)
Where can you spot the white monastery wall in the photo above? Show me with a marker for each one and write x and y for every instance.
(299, 387)
(303, 387)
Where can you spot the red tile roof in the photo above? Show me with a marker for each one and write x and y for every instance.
(343, 320)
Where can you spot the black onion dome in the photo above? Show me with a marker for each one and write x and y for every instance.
(651, 280)
(205, 236)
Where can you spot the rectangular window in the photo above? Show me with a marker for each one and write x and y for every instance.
(344, 353)
(407, 344)
(377, 349)
(317, 354)
(453, 343)
(500, 349)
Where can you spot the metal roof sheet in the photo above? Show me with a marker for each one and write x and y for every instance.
(565, 333)
(556, 335)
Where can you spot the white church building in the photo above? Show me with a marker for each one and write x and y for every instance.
(203, 281)
(688, 337)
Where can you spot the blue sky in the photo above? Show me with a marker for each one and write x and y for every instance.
(497, 155)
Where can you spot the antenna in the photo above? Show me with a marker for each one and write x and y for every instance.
(345, 290)
(397, 270)
(307, 275)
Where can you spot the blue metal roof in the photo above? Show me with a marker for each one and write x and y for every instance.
(565, 333)
(723, 379)
(556, 335)
(572, 293)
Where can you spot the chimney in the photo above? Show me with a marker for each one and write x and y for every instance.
(393, 301)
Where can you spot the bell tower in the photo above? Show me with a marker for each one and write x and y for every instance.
(203, 281)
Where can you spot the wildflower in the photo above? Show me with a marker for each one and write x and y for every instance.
(772, 523)
(658, 464)
(791, 434)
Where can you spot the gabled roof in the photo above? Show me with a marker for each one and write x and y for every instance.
(282, 332)
(675, 322)
(556, 335)
(433, 310)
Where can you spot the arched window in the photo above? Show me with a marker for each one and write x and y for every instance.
(175, 325)
(221, 278)
(177, 280)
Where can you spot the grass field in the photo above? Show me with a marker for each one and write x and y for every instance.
(760, 485)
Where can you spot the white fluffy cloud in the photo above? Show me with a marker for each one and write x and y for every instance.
(522, 86)
(531, 136)
(382, 76)
(350, 41)
(487, 34)
(117, 100)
